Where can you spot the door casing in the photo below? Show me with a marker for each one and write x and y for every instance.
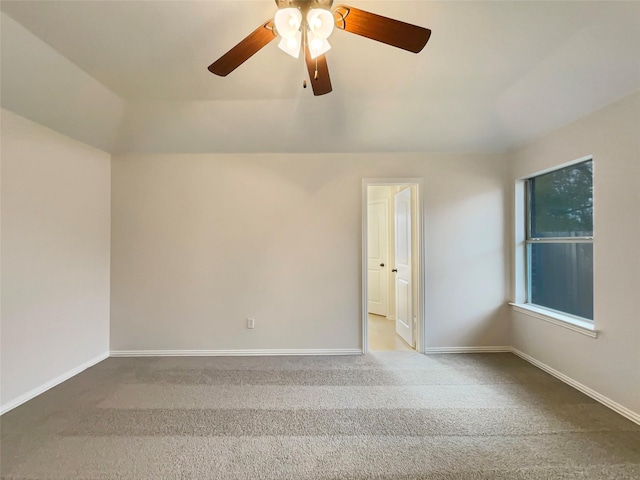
(419, 261)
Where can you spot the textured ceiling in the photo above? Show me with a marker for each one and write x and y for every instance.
(492, 75)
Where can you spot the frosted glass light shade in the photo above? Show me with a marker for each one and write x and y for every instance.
(287, 21)
(320, 22)
(317, 45)
(291, 45)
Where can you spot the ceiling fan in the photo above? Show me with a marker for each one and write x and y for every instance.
(307, 25)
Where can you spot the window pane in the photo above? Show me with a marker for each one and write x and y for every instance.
(562, 277)
(561, 202)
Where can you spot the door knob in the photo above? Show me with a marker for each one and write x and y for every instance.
(382, 264)
(395, 270)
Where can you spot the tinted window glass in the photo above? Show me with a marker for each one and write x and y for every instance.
(561, 202)
(562, 277)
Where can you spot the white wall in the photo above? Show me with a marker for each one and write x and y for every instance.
(610, 364)
(55, 256)
(201, 242)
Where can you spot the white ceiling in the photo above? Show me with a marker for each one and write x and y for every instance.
(493, 74)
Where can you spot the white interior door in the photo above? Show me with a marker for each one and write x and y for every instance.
(377, 262)
(402, 268)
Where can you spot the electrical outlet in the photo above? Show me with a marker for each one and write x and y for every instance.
(251, 323)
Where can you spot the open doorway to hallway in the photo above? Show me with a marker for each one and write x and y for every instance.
(383, 336)
(391, 244)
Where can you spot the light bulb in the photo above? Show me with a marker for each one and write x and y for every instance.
(320, 22)
(291, 45)
(287, 22)
(317, 45)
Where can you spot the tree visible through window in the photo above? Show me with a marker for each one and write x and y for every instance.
(560, 240)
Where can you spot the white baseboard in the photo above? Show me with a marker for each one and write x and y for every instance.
(10, 405)
(607, 402)
(234, 353)
(499, 349)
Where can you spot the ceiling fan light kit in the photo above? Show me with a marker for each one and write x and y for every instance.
(291, 45)
(320, 22)
(308, 24)
(287, 22)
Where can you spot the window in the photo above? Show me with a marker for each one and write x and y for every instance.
(559, 240)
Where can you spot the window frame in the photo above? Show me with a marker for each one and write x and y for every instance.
(522, 261)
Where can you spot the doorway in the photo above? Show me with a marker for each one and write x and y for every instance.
(392, 275)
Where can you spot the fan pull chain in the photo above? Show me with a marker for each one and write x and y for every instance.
(304, 81)
(304, 46)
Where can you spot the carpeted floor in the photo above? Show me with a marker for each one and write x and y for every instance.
(388, 415)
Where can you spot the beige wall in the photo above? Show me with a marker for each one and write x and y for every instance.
(610, 364)
(55, 256)
(201, 242)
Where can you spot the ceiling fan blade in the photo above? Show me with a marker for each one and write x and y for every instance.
(386, 30)
(318, 73)
(239, 54)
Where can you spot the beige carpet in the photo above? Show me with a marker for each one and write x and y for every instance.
(388, 415)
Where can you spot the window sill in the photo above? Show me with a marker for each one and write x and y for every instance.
(567, 321)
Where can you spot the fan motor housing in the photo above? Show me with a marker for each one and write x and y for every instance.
(304, 4)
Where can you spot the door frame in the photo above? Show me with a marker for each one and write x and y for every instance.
(419, 309)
